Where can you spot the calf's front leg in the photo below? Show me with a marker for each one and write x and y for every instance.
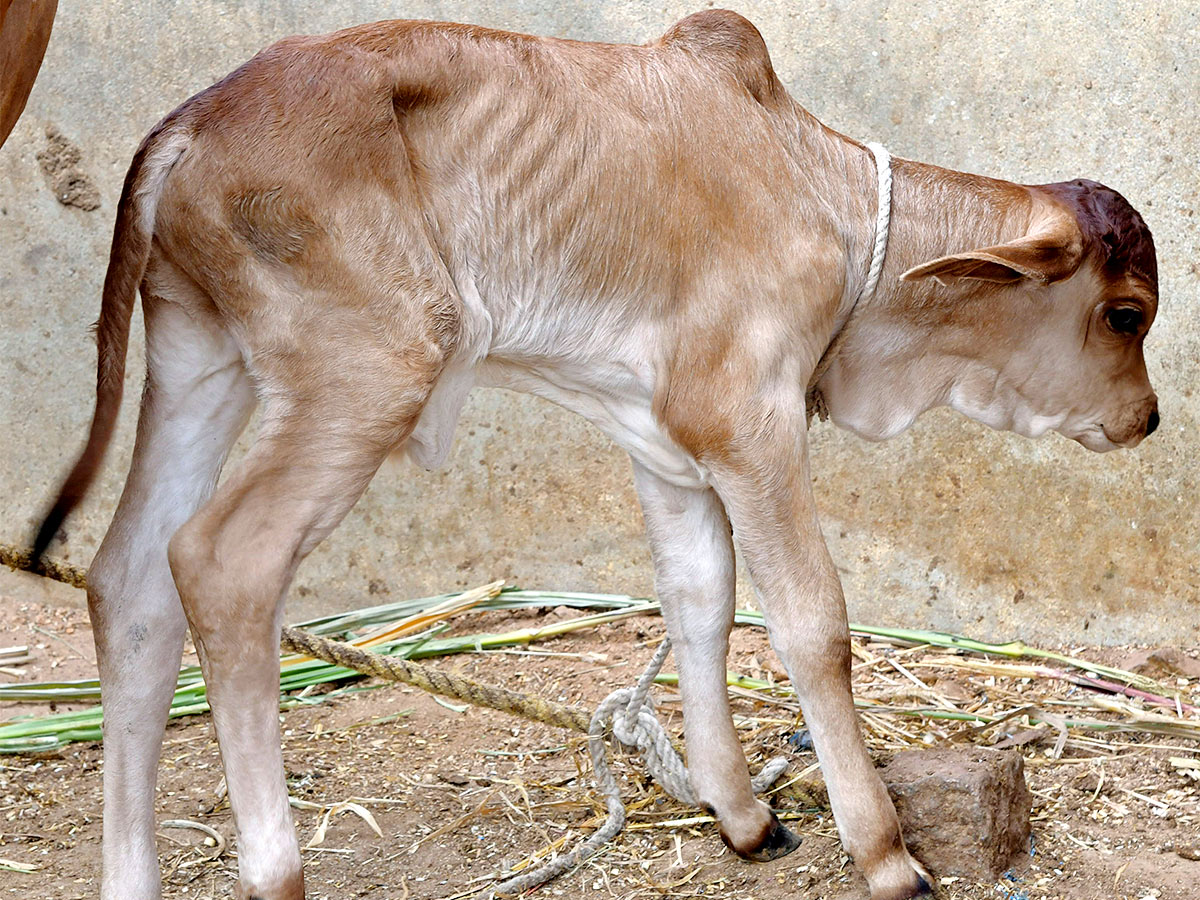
(764, 483)
(692, 548)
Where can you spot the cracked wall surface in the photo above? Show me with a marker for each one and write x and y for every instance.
(949, 525)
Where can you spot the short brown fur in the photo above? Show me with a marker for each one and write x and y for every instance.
(356, 228)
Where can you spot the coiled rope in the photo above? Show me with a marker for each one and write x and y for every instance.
(627, 714)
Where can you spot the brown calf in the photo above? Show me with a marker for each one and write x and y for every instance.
(355, 229)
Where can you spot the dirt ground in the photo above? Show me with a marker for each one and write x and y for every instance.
(461, 794)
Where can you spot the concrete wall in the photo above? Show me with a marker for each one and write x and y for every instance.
(949, 525)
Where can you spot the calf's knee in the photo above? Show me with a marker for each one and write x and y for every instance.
(221, 582)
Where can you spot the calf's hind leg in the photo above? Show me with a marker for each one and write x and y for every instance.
(196, 402)
(320, 444)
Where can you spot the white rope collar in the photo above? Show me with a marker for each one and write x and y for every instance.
(883, 167)
(883, 220)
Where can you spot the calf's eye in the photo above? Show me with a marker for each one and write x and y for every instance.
(1124, 319)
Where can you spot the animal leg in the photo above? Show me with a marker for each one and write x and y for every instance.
(234, 560)
(764, 483)
(692, 546)
(196, 401)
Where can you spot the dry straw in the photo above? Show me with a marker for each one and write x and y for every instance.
(1112, 700)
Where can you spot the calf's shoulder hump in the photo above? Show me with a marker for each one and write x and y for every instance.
(726, 39)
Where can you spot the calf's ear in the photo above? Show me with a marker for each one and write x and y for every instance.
(1050, 252)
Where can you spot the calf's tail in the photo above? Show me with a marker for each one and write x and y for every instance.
(127, 261)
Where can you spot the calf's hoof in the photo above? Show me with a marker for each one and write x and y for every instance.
(920, 891)
(290, 887)
(916, 885)
(776, 841)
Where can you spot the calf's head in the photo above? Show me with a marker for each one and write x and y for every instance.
(1055, 320)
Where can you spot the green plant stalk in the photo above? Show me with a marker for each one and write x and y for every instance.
(1180, 729)
(1011, 649)
(191, 697)
(418, 647)
(516, 598)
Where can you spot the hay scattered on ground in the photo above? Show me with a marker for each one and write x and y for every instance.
(1112, 757)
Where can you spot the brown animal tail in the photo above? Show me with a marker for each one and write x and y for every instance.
(126, 265)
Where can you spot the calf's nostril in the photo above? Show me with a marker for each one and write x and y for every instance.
(1152, 423)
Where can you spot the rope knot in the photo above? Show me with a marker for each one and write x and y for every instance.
(627, 726)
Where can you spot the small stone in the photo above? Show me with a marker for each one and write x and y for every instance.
(456, 778)
(768, 662)
(963, 812)
(1162, 662)
(952, 690)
